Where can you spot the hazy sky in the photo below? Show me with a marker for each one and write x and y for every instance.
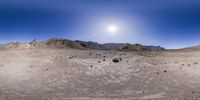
(168, 23)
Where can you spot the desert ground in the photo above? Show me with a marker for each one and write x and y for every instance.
(68, 74)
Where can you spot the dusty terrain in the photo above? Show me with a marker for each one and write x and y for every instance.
(67, 74)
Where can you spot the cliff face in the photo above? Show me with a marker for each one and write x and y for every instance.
(65, 43)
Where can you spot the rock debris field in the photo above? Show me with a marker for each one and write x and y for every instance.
(67, 74)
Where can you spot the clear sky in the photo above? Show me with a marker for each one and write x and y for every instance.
(168, 23)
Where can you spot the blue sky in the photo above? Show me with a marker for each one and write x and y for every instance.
(168, 23)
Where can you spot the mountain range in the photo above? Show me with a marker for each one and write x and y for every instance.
(77, 44)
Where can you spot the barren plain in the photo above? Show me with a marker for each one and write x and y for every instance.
(70, 74)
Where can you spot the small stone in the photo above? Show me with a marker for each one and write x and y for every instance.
(193, 92)
(116, 60)
(70, 57)
(195, 63)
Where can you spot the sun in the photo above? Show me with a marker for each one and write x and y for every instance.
(112, 28)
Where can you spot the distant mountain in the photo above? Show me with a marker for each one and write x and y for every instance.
(113, 45)
(91, 45)
(139, 47)
(192, 48)
(65, 43)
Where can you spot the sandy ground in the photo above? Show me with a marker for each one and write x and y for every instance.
(50, 74)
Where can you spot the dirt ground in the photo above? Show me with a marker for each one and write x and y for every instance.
(62, 74)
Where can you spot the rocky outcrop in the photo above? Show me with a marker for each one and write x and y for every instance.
(17, 45)
(37, 44)
(33, 44)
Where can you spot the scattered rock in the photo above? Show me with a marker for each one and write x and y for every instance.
(91, 66)
(165, 71)
(116, 60)
(32, 66)
(99, 61)
(70, 57)
(154, 64)
(195, 63)
(120, 59)
(104, 59)
(98, 55)
(193, 92)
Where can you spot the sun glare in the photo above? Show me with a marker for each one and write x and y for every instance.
(112, 28)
